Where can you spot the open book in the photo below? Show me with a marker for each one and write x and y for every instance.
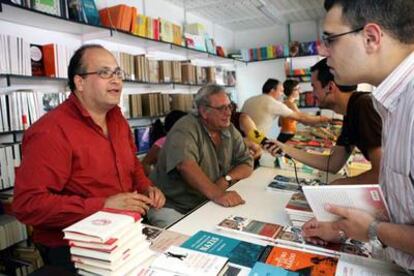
(364, 197)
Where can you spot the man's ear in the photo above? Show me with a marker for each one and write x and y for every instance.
(372, 37)
(79, 83)
(202, 110)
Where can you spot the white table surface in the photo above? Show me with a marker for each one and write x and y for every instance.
(261, 204)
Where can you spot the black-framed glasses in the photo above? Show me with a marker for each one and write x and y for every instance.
(107, 73)
(329, 39)
(222, 108)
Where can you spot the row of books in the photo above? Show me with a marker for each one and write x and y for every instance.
(14, 55)
(11, 231)
(155, 104)
(52, 60)
(140, 68)
(100, 244)
(10, 158)
(20, 110)
(293, 49)
(24, 259)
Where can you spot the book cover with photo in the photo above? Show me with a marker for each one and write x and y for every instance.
(292, 236)
(303, 262)
(239, 252)
(368, 198)
(250, 227)
(161, 239)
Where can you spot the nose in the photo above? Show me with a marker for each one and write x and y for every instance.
(323, 50)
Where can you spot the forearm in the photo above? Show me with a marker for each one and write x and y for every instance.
(196, 178)
(317, 161)
(240, 172)
(309, 119)
(397, 236)
(52, 210)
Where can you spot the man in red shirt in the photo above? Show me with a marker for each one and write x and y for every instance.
(80, 158)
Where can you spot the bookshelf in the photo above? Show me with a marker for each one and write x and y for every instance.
(18, 14)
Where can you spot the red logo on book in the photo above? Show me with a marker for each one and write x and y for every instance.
(101, 222)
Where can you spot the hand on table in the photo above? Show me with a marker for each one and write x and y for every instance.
(229, 199)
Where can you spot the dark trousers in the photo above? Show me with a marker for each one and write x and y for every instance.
(56, 257)
(284, 137)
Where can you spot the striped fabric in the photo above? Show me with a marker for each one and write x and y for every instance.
(394, 100)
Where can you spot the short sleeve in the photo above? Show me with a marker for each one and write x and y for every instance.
(280, 109)
(181, 144)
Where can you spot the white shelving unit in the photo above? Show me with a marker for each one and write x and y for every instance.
(110, 38)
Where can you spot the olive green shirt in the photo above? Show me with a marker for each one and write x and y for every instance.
(190, 140)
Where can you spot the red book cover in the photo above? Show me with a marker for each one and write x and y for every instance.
(303, 262)
(49, 60)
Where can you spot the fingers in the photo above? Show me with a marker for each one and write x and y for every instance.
(336, 210)
(157, 197)
(230, 199)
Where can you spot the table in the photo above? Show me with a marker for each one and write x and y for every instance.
(261, 204)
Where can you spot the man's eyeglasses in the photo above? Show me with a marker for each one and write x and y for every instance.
(222, 108)
(107, 73)
(329, 39)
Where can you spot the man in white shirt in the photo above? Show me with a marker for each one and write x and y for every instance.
(372, 41)
(266, 108)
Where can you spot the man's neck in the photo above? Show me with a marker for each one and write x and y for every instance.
(98, 115)
(390, 59)
(341, 106)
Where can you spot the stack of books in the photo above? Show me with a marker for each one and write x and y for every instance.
(298, 210)
(109, 242)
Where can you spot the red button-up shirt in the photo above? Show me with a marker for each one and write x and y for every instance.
(70, 167)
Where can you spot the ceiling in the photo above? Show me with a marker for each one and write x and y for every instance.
(238, 15)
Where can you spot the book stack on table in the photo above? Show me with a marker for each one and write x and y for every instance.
(109, 242)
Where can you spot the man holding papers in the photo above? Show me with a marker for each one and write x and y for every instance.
(373, 41)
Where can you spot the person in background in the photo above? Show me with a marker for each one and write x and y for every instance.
(80, 158)
(266, 108)
(151, 157)
(361, 128)
(291, 89)
(372, 41)
(243, 123)
(203, 155)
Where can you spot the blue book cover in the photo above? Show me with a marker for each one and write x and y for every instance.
(239, 252)
(262, 269)
(91, 12)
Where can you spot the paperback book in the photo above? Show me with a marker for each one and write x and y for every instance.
(101, 227)
(291, 184)
(368, 198)
(238, 252)
(292, 236)
(250, 227)
(184, 261)
(302, 262)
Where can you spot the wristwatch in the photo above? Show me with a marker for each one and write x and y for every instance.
(373, 235)
(228, 178)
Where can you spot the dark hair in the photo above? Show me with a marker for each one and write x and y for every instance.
(394, 16)
(76, 65)
(288, 87)
(325, 76)
(269, 85)
(172, 118)
(158, 129)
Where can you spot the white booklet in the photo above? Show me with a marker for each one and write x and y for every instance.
(183, 261)
(364, 197)
(101, 227)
